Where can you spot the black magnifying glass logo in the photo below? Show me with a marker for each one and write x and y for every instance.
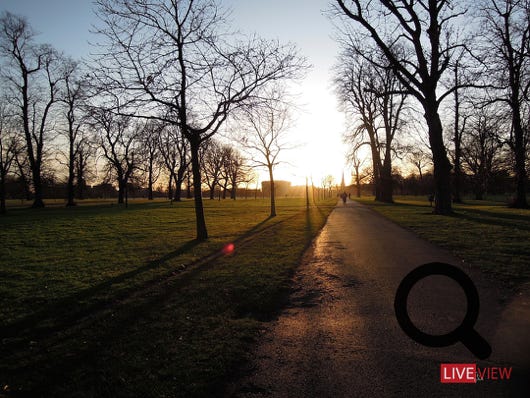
(465, 332)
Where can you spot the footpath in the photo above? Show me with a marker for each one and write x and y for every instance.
(339, 336)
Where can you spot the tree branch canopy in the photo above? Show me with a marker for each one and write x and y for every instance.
(417, 39)
(178, 61)
(179, 58)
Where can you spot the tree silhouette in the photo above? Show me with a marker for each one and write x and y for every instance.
(371, 96)
(9, 144)
(266, 135)
(73, 98)
(507, 55)
(418, 41)
(32, 78)
(118, 139)
(176, 60)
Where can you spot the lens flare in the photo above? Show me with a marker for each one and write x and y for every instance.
(228, 249)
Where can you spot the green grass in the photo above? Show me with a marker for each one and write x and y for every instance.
(102, 301)
(486, 234)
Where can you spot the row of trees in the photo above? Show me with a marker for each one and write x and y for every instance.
(400, 59)
(166, 78)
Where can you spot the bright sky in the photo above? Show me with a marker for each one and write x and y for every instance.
(65, 24)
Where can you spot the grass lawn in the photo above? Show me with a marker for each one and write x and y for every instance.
(103, 301)
(486, 234)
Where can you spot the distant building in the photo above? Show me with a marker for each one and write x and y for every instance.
(282, 188)
(102, 191)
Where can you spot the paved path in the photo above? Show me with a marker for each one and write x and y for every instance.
(339, 336)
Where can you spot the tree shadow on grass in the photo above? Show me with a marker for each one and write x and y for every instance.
(309, 223)
(68, 309)
(496, 218)
(256, 228)
(86, 353)
(158, 336)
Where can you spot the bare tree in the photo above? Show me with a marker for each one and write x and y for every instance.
(9, 144)
(33, 83)
(150, 155)
(118, 138)
(236, 171)
(371, 95)
(23, 170)
(481, 148)
(359, 173)
(418, 39)
(268, 125)
(85, 152)
(178, 58)
(507, 54)
(213, 159)
(350, 88)
(73, 98)
(327, 184)
(174, 152)
(459, 127)
(420, 159)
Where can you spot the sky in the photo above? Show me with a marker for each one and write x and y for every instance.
(319, 126)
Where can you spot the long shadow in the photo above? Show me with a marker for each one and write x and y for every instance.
(481, 217)
(51, 367)
(67, 309)
(477, 215)
(507, 216)
(254, 229)
(308, 226)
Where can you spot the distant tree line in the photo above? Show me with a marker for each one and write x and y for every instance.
(442, 84)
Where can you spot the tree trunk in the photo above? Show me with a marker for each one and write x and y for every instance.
(457, 183)
(38, 201)
(81, 183)
(80, 188)
(121, 191)
(188, 187)
(202, 232)
(170, 187)
(179, 179)
(24, 180)
(71, 175)
(2, 194)
(442, 166)
(150, 181)
(273, 193)
(386, 192)
(376, 165)
(178, 191)
(457, 179)
(386, 183)
(520, 158)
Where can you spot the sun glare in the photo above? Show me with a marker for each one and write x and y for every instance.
(317, 135)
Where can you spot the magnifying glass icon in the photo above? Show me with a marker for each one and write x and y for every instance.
(465, 332)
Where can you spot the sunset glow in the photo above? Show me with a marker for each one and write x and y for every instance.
(318, 130)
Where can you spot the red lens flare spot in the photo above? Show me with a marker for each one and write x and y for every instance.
(228, 249)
